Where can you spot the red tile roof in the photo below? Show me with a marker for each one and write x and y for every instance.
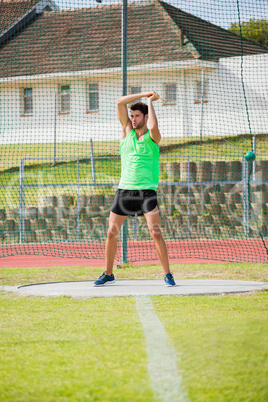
(90, 38)
(12, 10)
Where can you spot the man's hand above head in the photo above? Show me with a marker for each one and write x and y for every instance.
(154, 96)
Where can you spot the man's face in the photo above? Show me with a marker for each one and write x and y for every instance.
(138, 119)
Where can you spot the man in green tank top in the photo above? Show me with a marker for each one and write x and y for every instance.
(136, 192)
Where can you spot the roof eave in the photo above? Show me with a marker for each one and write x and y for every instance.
(148, 68)
(26, 18)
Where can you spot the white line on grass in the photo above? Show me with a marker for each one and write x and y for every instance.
(162, 367)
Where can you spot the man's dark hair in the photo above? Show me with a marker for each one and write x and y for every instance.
(142, 107)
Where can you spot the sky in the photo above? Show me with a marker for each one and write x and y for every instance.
(219, 12)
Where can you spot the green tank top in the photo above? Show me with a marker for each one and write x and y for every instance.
(139, 163)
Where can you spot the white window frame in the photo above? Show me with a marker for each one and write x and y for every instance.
(166, 90)
(198, 91)
(64, 93)
(24, 97)
(93, 88)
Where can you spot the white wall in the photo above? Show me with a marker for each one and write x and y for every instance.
(226, 111)
(224, 114)
(40, 127)
(78, 125)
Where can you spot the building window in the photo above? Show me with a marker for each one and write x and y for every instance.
(27, 101)
(198, 92)
(135, 90)
(93, 97)
(170, 94)
(65, 98)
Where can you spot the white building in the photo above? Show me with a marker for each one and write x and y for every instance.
(61, 74)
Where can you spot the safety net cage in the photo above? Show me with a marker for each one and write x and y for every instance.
(65, 63)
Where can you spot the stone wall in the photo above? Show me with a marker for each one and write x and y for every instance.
(195, 211)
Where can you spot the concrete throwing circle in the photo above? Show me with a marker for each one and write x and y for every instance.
(137, 287)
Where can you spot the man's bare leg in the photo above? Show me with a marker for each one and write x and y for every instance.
(153, 221)
(115, 224)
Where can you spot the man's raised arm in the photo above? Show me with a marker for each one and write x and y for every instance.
(122, 111)
(154, 131)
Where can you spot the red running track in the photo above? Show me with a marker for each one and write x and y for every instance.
(139, 253)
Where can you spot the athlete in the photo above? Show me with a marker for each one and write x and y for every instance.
(136, 193)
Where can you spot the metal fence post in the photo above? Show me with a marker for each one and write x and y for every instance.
(92, 161)
(254, 162)
(124, 93)
(135, 227)
(124, 232)
(202, 105)
(55, 127)
(189, 199)
(22, 203)
(245, 198)
(78, 201)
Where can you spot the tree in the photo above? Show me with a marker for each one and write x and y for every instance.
(255, 30)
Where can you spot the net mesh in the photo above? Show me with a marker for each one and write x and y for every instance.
(62, 71)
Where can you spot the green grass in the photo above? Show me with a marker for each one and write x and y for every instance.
(66, 349)
(222, 344)
(70, 350)
(218, 148)
(11, 154)
(233, 271)
(105, 171)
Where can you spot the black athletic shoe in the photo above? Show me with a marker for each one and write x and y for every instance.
(104, 279)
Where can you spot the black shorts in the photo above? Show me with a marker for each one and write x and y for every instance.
(132, 202)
